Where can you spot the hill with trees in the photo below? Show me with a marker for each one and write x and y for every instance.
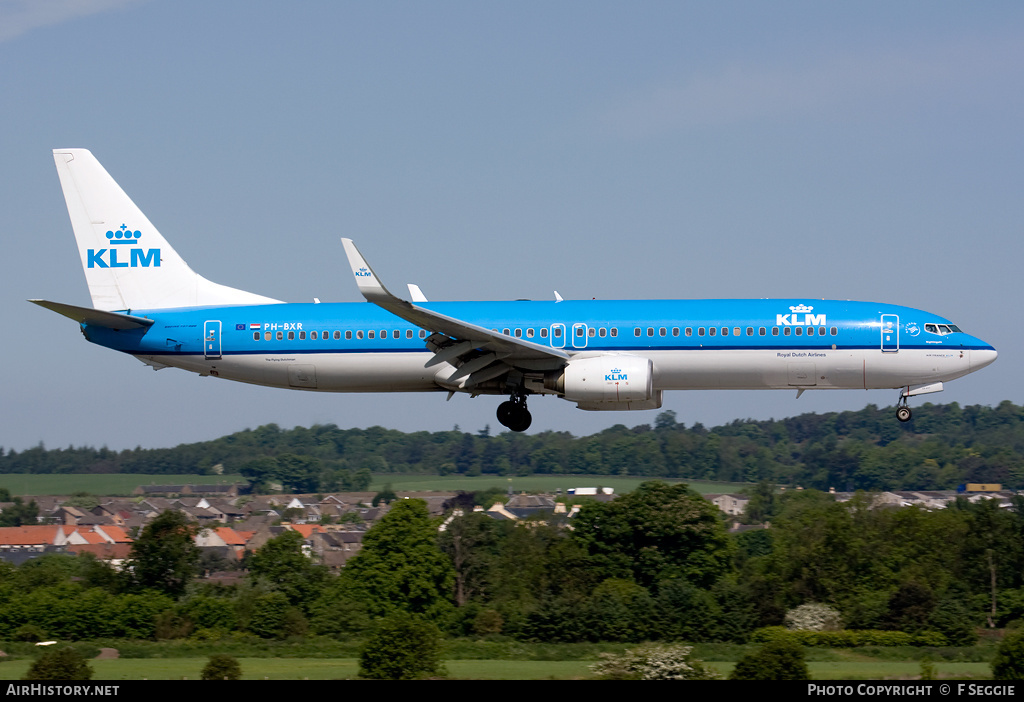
(943, 447)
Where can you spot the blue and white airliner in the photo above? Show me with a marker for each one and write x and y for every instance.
(601, 355)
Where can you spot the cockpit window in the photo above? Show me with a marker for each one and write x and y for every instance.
(941, 329)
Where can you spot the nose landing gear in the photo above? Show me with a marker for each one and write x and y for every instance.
(513, 413)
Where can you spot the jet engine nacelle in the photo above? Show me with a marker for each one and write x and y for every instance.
(600, 379)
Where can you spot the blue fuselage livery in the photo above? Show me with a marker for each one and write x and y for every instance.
(601, 355)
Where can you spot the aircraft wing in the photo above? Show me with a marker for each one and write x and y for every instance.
(479, 353)
(96, 318)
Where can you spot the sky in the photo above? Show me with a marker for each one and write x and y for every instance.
(505, 150)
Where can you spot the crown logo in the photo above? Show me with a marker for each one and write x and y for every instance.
(615, 370)
(800, 309)
(124, 236)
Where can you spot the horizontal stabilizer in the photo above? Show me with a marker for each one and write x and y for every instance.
(96, 318)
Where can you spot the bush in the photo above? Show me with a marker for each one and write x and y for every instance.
(653, 662)
(1008, 663)
(849, 638)
(813, 617)
(404, 647)
(64, 663)
(782, 659)
(221, 666)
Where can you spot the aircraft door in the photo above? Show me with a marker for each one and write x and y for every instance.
(211, 339)
(890, 333)
(579, 335)
(557, 335)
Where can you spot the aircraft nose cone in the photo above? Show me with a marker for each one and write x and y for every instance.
(982, 357)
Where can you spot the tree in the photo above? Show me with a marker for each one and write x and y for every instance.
(654, 533)
(63, 663)
(283, 565)
(1008, 663)
(164, 557)
(403, 647)
(781, 659)
(400, 566)
(18, 513)
(221, 666)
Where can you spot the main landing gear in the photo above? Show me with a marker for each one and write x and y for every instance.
(902, 410)
(513, 413)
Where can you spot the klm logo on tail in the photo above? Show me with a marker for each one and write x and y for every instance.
(137, 257)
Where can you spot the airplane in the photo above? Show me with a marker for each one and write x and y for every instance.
(617, 355)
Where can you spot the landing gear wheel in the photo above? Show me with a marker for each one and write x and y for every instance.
(505, 411)
(514, 415)
(903, 414)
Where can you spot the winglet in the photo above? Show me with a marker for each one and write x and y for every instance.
(369, 284)
(415, 293)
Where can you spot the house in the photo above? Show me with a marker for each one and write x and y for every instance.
(223, 540)
(729, 503)
(19, 543)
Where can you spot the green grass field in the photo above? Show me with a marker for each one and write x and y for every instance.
(125, 483)
(347, 668)
(104, 484)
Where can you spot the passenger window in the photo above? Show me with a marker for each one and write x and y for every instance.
(833, 331)
(302, 335)
(786, 331)
(291, 336)
(615, 331)
(761, 331)
(557, 331)
(371, 334)
(810, 331)
(423, 333)
(775, 331)
(255, 336)
(736, 331)
(408, 333)
(544, 333)
(348, 335)
(267, 336)
(712, 331)
(725, 331)
(700, 331)
(688, 331)
(602, 332)
(529, 333)
(359, 334)
(636, 332)
(280, 336)
(396, 334)
(592, 331)
(650, 331)
(663, 332)
(821, 331)
(519, 333)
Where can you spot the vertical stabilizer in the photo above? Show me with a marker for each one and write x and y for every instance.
(127, 263)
